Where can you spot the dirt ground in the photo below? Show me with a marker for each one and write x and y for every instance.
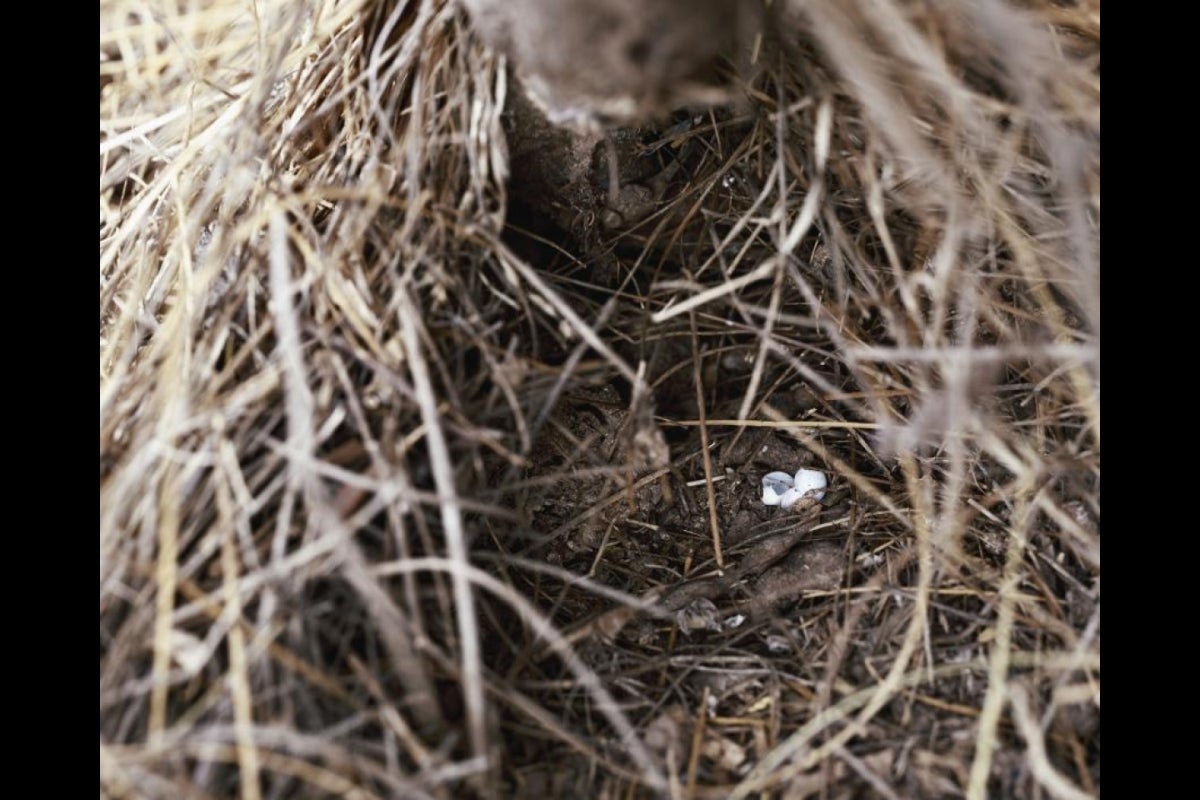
(433, 435)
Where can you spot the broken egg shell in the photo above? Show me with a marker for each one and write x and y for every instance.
(790, 498)
(775, 485)
(733, 622)
(809, 482)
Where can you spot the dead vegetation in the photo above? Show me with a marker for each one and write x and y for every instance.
(418, 483)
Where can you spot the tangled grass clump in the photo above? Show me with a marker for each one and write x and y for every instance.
(400, 498)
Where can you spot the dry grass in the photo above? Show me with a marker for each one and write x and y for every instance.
(335, 555)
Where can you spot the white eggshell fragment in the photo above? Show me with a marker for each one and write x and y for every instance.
(789, 498)
(775, 485)
(809, 482)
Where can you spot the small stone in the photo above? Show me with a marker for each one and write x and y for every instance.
(698, 615)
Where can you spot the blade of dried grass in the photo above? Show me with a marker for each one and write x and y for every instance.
(993, 701)
(729, 286)
(451, 513)
(1039, 763)
(239, 678)
(705, 452)
(165, 580)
